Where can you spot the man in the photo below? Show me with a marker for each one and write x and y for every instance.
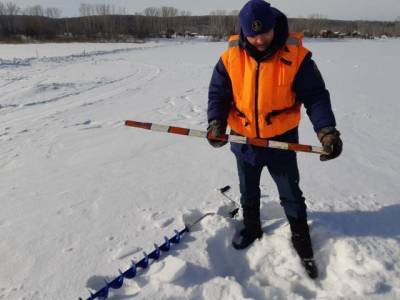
(257, 89)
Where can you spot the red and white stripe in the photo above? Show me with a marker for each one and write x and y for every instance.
(227, 137)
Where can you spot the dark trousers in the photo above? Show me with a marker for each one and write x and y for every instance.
(284, 172)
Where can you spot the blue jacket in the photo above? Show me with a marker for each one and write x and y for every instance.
(308, 85)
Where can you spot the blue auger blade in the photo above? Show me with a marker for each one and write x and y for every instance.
(156, 253)
(131, 272)
(117, 283)
(177, 238)
(90, 298)
(102, 294)
(166, 246)
(144, 263)
(183, 231)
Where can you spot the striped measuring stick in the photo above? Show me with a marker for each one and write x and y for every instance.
(227, 137)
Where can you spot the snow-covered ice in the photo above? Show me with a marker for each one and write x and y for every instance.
(82, 195)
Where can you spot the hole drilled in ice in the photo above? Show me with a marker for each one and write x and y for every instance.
(226, 210)
(192, 216)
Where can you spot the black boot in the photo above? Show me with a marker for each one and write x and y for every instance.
(302, 244)
(252, 229)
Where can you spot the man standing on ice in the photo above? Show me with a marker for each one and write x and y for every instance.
(257, 89)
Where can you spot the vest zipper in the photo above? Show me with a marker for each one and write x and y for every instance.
(256, 99)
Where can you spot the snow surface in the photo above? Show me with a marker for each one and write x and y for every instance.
(81, 194)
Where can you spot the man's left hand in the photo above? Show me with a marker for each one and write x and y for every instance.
(331, 141)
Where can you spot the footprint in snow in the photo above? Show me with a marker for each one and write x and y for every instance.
(128, 253)
(170, 102)
(303, 291)
(156, 216)
(129, 289)
(85, 123)
(117, 124)
(7, 293)
(168, 270)
(166, 222)
(92, 127)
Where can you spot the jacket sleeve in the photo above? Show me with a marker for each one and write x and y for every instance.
(310, 89)
(220, 94)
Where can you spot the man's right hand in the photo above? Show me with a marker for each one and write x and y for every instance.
(216, 128)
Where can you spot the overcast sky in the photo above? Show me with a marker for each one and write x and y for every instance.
(333, 9)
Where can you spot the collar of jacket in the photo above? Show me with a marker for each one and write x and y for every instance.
(279, 41)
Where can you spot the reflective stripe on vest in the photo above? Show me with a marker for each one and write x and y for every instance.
(271, 110)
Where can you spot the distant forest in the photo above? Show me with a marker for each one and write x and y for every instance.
(110, 23)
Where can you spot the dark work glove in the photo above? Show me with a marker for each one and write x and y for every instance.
(216, 128)
(330, 140)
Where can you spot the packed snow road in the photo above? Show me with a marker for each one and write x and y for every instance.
(81, 195)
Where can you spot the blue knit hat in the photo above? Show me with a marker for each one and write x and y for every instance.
(256, 17)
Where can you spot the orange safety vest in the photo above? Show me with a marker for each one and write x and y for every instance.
(264, 104)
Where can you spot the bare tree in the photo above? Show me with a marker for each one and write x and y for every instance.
(122, 11)
(222, 24)
(168, 12)
(102, 10)
(152, 12)
(52, 12)
(218, 12)
(185, 13)
(36, 10)
(83, 10)
(2, 9)
(317, 22)
(117, 10)
(86, 10)
(11, 9)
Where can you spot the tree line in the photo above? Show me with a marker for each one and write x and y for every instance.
(108, 22)
(11, 9)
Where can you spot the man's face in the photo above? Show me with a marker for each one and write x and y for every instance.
(261, 41)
